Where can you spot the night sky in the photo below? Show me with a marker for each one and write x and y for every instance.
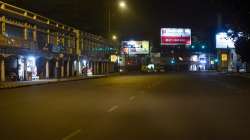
(143, 18)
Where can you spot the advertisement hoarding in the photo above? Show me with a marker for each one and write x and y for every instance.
(223, 41)
(113, 58)
(175, 36)
(135, 47)
(224, 57)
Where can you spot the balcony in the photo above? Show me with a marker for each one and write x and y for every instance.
(14, 42)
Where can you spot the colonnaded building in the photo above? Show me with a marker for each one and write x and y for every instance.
(35, 47)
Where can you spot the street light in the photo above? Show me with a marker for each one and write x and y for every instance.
(122, 4)
(114, 37)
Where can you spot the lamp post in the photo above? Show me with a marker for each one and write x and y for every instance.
(121, 5)
(114, 38)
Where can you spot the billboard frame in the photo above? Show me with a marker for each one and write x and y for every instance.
(135, 53)
(176, 44)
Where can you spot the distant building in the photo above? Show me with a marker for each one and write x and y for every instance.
(135, 54)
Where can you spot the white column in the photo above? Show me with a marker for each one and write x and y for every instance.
(62, 69)
(68, 68)
(56, 69)
(2, 71)
(47, 69)
(79, 68)
(90, 66)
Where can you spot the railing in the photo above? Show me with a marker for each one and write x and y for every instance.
(30, 16)
(33, 16)
(17, 42)
(10, 42)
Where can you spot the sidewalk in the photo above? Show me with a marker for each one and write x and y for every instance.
(244, 75)
(6, 85)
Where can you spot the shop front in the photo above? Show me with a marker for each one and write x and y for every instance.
(198, 62)
(27, 69)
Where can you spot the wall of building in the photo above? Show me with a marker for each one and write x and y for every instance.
(58, 50)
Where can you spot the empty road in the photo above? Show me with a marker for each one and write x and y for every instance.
(174, 106)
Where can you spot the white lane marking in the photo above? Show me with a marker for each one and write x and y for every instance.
(113, 108)
(72, 134)
(132, 98)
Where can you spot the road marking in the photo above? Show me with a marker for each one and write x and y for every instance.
(132, 98)
(72, 134)
(113, 108)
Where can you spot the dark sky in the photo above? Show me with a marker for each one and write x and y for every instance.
(143, 18)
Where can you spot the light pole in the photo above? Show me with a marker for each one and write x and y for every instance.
(114, 38)
(121, 5)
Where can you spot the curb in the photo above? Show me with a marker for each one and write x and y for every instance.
(19, 85)
(237, 75)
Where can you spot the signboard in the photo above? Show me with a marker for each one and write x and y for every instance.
(113, 58)
(135, 47)
(175, 36)
(224, 57)
(121, 61)
(223, 41)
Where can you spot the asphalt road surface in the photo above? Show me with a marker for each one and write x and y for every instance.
(178, 106)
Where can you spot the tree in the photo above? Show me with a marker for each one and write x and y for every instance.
(242, 45)
(240, 29)
(243, 49)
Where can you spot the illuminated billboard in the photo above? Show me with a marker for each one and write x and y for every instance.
(113, 58)
(223, 41)
(135, 47)
(224, 57)
(175, 36)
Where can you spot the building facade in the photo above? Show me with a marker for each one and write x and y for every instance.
(35, 47)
